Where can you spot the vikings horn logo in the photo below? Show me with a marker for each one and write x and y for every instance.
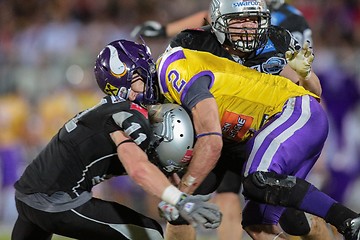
(117, 67)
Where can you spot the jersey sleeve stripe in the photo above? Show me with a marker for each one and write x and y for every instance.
(194, 78)
(165, 62)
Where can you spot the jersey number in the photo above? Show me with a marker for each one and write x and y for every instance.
(177, 83)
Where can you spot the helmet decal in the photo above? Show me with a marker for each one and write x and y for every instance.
(117, 67)
(111, 90)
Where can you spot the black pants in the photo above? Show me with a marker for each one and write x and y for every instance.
(96, 219)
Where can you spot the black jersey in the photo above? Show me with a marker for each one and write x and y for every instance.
(82, 153)
(290, 18)
(268, 59)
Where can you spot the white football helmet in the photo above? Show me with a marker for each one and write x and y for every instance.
(173, 142)
(249, 39)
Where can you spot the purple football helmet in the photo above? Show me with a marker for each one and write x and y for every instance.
(116, 64)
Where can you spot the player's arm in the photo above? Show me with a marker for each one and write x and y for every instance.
(154, 29)
(137, 165)
(312, 84)
(204, 109)
(207, 148)
(298, 69)
(153, 181)
(193, 21)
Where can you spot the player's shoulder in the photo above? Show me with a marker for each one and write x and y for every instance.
(278, 31)
(119, 104)
(194, 38)
(113, 103)
(196, 32)
(280, 36)
(110, 105)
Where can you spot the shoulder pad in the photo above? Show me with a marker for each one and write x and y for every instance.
(192, 38)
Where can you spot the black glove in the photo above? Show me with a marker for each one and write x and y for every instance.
(150, 29)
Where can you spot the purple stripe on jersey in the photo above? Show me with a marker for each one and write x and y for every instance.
(194, 78)
(292, 142)
(316, 202)
(162, 76)
(263, 138)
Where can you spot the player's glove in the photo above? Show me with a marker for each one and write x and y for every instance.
(151, 29)
(168, 211)
(196, 211)
(301, 60)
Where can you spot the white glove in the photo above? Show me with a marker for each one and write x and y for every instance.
(196, 210)
(301, 60)
(150, 29)
(168, 211)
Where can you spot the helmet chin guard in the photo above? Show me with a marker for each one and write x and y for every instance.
(172, 145)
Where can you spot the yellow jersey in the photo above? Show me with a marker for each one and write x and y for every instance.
(245, 97)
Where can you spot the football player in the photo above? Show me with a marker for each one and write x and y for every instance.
(54, 194)
(282, 125)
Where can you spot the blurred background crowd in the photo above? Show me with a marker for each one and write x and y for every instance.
(47, 53)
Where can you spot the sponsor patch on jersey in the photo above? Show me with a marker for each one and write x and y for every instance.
(140, 109)
(274, 65)
(269, 47)
(234, 126)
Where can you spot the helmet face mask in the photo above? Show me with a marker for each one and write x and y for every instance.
(242, 35)
(116, 65)
(173, 141)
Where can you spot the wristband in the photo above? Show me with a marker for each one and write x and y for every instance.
(208, 134)
(125, 141)
(171, 195)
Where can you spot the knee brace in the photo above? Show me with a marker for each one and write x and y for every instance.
(276, 189)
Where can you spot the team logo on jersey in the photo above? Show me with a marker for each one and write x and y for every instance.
(235, 126)
(274, 65)
(269, 47)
